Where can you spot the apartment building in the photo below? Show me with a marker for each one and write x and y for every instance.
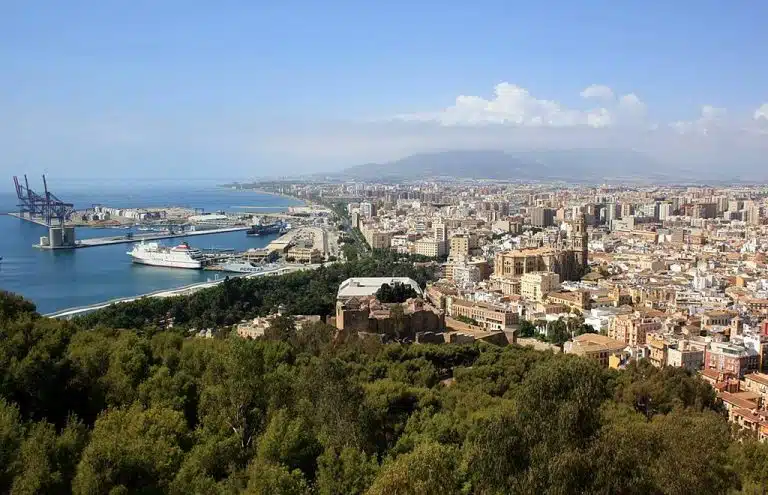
(657, 350)
(721, 318)
(462, 245)
(633, 328)
(571, 299)
(757, 383)
(429, 247)
(488, 316)
(376, 238)
(684, 355)
(535, 285)
(730, 358)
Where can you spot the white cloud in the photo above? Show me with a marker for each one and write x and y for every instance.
(711, 119)
(598, 91)
(632, 103)
(514, 105)
(761, 112)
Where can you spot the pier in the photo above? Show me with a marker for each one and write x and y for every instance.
(108, 241)
(28, 218)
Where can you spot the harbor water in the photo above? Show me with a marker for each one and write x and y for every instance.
(56, 280)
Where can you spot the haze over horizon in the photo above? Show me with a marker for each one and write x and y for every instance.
(239, 90)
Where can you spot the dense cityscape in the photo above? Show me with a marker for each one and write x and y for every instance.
(384, 248)
(673, 275)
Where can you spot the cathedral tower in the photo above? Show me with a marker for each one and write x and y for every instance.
(580, 241)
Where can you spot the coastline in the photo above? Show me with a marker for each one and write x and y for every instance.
(304, 202)
(103, 274)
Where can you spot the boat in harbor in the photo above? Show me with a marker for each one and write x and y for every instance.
(154, 254)
(238, 266)
(265, 228)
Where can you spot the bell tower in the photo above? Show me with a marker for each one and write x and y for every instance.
(580, 241)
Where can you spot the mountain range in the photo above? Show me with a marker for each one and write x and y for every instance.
(576, 165)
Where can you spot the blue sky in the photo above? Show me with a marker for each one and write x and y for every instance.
(241, 89)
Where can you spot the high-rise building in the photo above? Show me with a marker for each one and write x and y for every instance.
(609, 213)
(627, 209)
(367, 209)
(752, 215)
(722, 203)
(651, 210)
(665, 210)
(441, 232)
(441, 237)
(542, 217)
(704, 210)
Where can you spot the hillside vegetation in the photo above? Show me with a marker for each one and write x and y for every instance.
(113, 410)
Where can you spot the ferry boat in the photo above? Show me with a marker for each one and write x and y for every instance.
(181, 256)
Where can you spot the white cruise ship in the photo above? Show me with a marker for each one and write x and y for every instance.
(181, 256)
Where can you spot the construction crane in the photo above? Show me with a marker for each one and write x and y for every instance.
(47, 207)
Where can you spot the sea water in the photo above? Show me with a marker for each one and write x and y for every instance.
(56, 280)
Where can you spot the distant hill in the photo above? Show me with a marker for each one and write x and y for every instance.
(571, 165)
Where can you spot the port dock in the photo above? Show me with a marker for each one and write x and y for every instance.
(108, 241)
(28, 218)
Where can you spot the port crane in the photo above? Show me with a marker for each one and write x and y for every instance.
(46, 207)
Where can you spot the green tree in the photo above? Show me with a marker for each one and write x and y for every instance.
(527, 329)
(13, 306)
(495, 453)
(270, 479)
(349, 473)
(129, 363)
(750, 461)
(132, 450)
(289, 442)
(47, 462)
(281, 327)
(429, 470)
(210, 463)
(11, 433)
(395, 293)
(232, 396)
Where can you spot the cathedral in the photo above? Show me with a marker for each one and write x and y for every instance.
(568, 258)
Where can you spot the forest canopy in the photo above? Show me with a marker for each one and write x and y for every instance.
(100, 409)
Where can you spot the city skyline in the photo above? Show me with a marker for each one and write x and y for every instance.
(119, 90)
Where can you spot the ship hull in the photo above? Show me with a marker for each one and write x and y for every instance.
(258, 230)
(189, 265)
